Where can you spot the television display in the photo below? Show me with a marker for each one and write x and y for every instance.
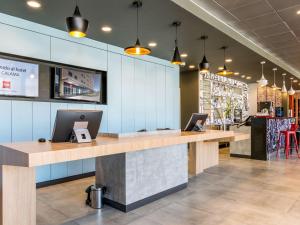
(79, 85)
(19, 78)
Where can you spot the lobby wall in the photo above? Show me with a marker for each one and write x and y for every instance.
(143, 92)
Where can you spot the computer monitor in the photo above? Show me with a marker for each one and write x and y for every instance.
(65, 121)
(196, 122)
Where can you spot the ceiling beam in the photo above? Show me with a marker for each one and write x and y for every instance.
(194, 7)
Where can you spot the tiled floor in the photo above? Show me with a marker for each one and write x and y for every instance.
(237, 192)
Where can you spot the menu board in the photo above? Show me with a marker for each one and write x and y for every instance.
(19, 78)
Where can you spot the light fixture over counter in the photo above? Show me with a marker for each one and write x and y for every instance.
(204, 65)
(263, 81)
(176, 57)
(137, 49)
(283, 89)
(274, 86)
(76, 25)
(291, 91)
(224, 71)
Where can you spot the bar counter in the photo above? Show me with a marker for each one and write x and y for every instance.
(264, 135)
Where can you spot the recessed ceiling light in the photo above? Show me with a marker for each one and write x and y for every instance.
(236, 73)
(192, 66)
(106, 29)
(248, 77)
(228, 60)
(184, 55)
(243, 76)
(220, 67)
(183, 64)
(34, 4)
(298, 12)
(295, 81)
(152, 44)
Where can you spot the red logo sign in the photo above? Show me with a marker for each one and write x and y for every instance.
(6, 84)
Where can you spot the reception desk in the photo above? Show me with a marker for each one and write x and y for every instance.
(117, 159)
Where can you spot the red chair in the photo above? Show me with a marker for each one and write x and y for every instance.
(287, 136)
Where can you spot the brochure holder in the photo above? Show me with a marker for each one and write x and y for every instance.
(80, 133)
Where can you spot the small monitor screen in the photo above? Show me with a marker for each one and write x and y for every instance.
(19, 78)
(78, 85)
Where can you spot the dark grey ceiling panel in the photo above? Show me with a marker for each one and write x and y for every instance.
(263, 21)
(272, 30)
(252, 10)
(283, 4)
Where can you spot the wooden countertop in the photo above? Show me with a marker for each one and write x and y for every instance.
(31, 154)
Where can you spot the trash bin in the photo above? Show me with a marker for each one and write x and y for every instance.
(95, 196)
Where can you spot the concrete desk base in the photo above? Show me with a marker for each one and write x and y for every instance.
(137, 178)
(18, 192)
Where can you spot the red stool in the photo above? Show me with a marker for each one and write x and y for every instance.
(287, 135)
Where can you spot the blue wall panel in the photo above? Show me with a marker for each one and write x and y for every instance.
(41, 120)
(41, 129)
(21, 121)
(43, 173)
(104, 121)
(5, 125)
(160, 96)
(114, 88)
(139, 94)
(74, 167)
(127, 94)
(59, 170)
(150, 97)
(88, 165)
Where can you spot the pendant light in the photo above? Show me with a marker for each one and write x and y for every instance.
(176, 57)
(224, 71)
(291, 91)
(204, 65)
(283, 89)
(274, 86)
(137, 49)
(76, 25)
(263, 81)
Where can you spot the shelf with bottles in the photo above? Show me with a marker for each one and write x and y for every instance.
(221, 96)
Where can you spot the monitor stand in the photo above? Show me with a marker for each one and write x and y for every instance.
(198, 128)
(80, 133)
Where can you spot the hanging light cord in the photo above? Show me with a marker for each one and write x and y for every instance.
(137, 18)
(176, 34)
(204, 45)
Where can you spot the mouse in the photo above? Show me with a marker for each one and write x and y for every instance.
(42, 140)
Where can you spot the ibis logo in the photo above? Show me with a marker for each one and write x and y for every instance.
(6, 84)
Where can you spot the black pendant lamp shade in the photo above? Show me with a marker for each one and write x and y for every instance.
(176, 57)
(224, 71)
(76, 25)
(204, 65)
(137, 49)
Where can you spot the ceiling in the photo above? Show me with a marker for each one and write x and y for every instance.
(157, 17)
(273, 26)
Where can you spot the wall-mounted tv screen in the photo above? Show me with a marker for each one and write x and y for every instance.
(78, 85)
(19, 78)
